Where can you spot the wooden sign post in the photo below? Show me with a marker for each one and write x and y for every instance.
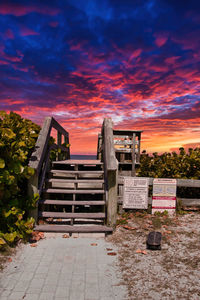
(135, 193)
(164, 195)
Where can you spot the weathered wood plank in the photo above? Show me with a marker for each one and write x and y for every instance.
(49, 214)
(59, 128)
(125, 150)
(126, 132)
(64, 191)
(54, 180)
(185, 201)
(78, 162)
(133, 155)
(66, 202)
(39, 153)
(77, 172)
(74, 228)
(180, 182)
(112, 198)
(124, 142)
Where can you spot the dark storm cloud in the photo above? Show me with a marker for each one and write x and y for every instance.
(136, 61)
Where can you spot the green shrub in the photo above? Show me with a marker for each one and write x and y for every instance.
(17, 140)
(171, 165)
(184, 165)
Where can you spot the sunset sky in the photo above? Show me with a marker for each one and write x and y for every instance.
(136, 61)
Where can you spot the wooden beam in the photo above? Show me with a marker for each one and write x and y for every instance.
(180, 182)
(39, 153)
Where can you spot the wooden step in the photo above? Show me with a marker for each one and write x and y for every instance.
(68, 191)
(74, 228)
(65, 202)
(90, 162)
(76, 172)
(54, 180)
(51, 214)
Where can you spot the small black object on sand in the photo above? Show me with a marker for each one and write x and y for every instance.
(154, 240)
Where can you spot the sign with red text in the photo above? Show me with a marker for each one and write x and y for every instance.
(135, 194)
(164, 195)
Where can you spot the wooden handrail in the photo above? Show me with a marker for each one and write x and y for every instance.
(39, 160)
(38, 155)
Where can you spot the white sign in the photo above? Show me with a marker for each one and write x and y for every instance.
(164, 195)
(135, 194)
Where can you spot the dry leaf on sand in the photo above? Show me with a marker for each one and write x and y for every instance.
(138, 251)
(112, 253)
(65, 236)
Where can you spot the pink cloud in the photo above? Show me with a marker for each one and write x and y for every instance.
(25, 31)
(161, 39)
(21, 10)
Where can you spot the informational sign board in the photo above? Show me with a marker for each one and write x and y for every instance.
(135, 193)
(164, 195)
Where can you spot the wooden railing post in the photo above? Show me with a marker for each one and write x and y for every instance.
(59, 142)
(32, 190)
(111, 170)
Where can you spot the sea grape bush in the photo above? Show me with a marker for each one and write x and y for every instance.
(17, 140)
(171, 165)
(184, 165)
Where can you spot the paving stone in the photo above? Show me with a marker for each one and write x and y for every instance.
(31, 297)
(5, 293)
(70, 269)
(49, 288)
(16, 296)
(46, 296)
(62, 291)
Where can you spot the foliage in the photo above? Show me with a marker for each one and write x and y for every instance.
(17, 141)
(171, 165)
(184, 165)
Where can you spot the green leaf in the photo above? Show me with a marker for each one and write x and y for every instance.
(18, 168)
(8, 133)
(2, 242)
(21, 144)
(10, 237)
(2, 163)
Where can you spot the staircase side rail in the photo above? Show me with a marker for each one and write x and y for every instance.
(191, 183)
(110, 169)
(99, 146)
(39, 160)
(37, 157)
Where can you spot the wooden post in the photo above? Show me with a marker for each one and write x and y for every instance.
(111, 170)
(133, 157)
(59, 142)
(33, 189)
(139, 141)
(112, 198)
(66, 142)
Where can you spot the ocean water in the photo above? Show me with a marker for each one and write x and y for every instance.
(83, 157)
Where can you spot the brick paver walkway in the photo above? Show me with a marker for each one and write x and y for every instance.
(63, 268)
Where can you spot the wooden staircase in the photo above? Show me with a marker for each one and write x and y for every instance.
(73, 198)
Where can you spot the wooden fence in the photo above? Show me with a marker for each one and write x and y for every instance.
(190, 183)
